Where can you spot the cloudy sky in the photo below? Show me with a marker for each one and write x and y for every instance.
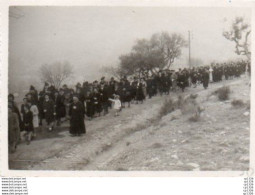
(92, 37)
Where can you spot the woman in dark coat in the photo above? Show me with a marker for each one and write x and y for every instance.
(48, 109)
(77, 112)
(89, 105)
(28, 123)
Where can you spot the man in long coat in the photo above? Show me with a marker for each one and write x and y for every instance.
(77, 113)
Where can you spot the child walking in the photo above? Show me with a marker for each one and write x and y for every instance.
(116, 104)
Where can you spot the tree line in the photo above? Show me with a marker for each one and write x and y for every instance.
(151, 55)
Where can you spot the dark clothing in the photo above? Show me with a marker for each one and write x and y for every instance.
(22, 110)
(112, 90)
(150, 88)
(48, 108)
(34, 95)
(104, 96)
(77, 125)
(60, 106)
(139, 92)
(181, 81)
(13, 128)
(90, 106)
(28, 121)
(16, 110)
(205, 79)
(97, 103)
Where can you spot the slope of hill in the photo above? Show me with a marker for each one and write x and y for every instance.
(139, 140)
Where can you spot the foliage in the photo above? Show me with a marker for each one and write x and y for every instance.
(56, 73)
(157, 53)
(239, 33)
(170, 46)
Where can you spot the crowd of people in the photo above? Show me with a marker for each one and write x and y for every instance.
(54, 106)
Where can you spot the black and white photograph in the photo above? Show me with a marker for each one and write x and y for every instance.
(125, 88)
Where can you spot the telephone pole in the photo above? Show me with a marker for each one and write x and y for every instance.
(189, 51)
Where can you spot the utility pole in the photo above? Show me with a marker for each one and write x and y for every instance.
(189, 51)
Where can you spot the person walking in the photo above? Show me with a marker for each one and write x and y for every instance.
(77, 114)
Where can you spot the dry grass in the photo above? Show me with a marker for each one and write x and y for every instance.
(194, 118)
(223, 93)
(248, 107)
(237, 103)
(156, 145)
(168, 106)
(121, 169)
(187, 105)
(106, 147)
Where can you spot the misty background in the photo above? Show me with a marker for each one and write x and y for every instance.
(90, 38)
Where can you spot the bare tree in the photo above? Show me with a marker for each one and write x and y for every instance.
(169, 45)
(56, 73)
(239, 33)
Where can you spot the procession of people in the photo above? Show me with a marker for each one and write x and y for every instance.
(51, 107)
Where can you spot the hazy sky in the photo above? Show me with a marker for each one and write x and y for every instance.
(92, 37)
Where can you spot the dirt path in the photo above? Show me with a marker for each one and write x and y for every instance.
(137, 141)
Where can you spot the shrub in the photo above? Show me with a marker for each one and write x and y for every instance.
(223, 93)
(194, 118)
(168, 106)
(237, 103)
(189, 104)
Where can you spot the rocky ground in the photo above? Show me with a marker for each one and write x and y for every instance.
(140, 140)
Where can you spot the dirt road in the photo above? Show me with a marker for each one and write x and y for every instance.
(138, 140)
